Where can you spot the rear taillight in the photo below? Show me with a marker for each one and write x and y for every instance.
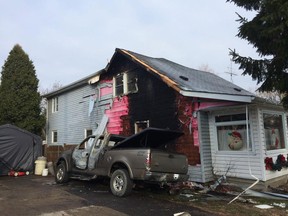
(148, 162)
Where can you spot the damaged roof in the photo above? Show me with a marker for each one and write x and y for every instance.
(188, 81)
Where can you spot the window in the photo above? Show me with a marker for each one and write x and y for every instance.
(141, 125)
(88, 132)
(274, 133)
(54, 136)
(119, 85)
(232, 132)
(125, 83)
(55, 104)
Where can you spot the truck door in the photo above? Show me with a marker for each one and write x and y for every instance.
(95, 152)
(81, 153)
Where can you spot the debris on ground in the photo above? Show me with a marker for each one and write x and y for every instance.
(281, 205)
(222, 190)
(218, 182)
(264, 206)
(182, 214)
(17, 173)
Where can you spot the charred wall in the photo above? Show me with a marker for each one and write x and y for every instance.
(160, 104)
(154, 101)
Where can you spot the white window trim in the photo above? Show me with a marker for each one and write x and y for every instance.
(85, 133)
(125, 84)
(55, 104)
(284, 130)
(250, 150)
(52, 141)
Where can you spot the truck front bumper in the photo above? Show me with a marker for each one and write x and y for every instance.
(165, 177)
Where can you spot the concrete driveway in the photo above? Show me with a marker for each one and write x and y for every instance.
(37, 195)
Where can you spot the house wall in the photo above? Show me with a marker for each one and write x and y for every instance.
(71, 120)
(205, 147)
(157, 103)
(189, 143)
(72, 117)
(239, 163)
(272, 174)
(232, 163)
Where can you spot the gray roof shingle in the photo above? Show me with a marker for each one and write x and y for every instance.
(189, 79)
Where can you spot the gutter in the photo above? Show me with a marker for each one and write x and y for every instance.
(227, 97)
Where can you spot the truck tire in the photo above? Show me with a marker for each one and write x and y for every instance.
(61, 175)
(120, 183)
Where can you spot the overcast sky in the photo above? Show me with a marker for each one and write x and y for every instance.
(68, 40)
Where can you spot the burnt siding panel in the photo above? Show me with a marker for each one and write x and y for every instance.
(157, 102)
(154, 101)
(186, 144)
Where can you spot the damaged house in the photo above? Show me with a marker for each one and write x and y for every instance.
(228, 131)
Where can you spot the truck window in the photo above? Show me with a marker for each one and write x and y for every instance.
(86, 144)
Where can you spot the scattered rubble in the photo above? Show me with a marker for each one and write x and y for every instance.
(222, 190)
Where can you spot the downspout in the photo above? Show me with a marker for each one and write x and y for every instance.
(249, 163)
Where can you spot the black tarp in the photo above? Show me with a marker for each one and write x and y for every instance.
(18, 149)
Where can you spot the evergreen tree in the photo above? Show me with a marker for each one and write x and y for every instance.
(19, 98)
(268, 33)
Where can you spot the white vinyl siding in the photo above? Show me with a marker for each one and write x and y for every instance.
(237, 163)
(203, 172)
(54, 137)
(72, 119)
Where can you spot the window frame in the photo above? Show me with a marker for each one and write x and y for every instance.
(125, 84)
(249, 148)
(55, 104)
(88, 134)
(53, 137)
(138, 123)
(284, 129)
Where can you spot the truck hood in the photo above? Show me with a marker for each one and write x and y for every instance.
(149, 137)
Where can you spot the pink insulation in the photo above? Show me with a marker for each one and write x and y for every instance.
(119, 108)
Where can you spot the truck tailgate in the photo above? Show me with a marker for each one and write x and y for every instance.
(168, 162)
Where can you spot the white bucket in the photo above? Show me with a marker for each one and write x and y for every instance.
(50, 168)
(45, 172)
(40, 166)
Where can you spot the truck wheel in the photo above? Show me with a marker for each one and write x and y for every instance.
(61, 175)
(120, 183)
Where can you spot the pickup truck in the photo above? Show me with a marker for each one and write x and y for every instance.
(125, 160)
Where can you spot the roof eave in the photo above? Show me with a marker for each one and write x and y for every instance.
(226, 97)
(86, 80)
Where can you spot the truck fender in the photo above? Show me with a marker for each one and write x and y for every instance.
(67, 162)
(120, 165)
